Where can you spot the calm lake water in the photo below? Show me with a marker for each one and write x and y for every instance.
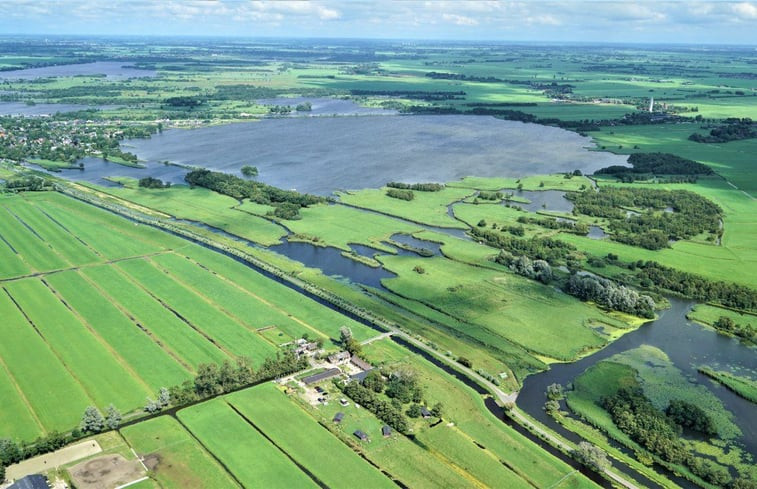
(111, 69)
(21, 108)
(323, 154)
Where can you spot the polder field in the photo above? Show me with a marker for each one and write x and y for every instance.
(262, 434)
(100, 310)
(98, 307)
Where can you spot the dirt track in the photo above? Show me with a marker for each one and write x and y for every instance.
(49, 461)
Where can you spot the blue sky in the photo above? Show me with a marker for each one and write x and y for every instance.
(713, 22)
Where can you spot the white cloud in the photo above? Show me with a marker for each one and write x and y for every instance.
(459, 19)
(745, 10)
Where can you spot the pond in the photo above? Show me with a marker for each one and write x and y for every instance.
(688, 346)
(323, 154)
(111, 69)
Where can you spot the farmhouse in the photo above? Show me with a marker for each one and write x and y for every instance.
(341, 357)
(360, 363)
(326, 374)
(338, 417)
(386, 430)
(361, 435)
(34, 481)
(425, 412)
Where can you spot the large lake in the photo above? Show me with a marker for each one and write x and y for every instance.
(111, 69)
(323, 154)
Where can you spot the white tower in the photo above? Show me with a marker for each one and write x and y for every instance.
(651, 104)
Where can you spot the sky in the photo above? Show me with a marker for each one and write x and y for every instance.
(681, 21)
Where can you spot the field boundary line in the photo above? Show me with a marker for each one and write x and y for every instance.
(302, 468)
(242, 322)
(52, 350)
(208, 450)
(259, 299)
(112, 300)
(102, 341)
(64, 228)
(173, 311)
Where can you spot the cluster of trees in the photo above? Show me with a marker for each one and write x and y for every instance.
(427, 96)
(258, 192)
(29, 183)
(401, 194)
(280, 109)
(573, 227)
(162, 402)
(729, 326)
(608, 294)
(691, 416)
(734, 130)
(591, 456)
(536, 248)
(183, 101)
(92, 421)
(653, 275)
(421, 187)
(348, 342)
(494, 196)
(151, 182)
(657, 164)
(635, 415)
(523, 265)
(691, 214)
(386, 411)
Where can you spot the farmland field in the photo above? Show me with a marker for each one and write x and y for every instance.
(111, 312)
(180, 461)
(247, 454)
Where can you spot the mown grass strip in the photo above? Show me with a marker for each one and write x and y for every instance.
(174, 333)
(40, 375)
(253, 460)
(91, 363)
(233, 337)
(143, 355)
(37, 253)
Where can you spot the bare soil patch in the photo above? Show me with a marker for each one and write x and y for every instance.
(106, 472)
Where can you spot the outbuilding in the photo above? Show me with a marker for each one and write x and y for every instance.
(361, 435)
(34, 481)
(386, 430)
(338, 417)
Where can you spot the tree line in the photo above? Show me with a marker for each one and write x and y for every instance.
(401, 194)
(657, 164)
(258, 192)
(536, 248)
(608, 294)
(421, 187)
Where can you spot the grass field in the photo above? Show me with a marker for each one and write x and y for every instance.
(252, 459)
(501, 304)
(708, 315)
(426, 208)
(181, 460)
